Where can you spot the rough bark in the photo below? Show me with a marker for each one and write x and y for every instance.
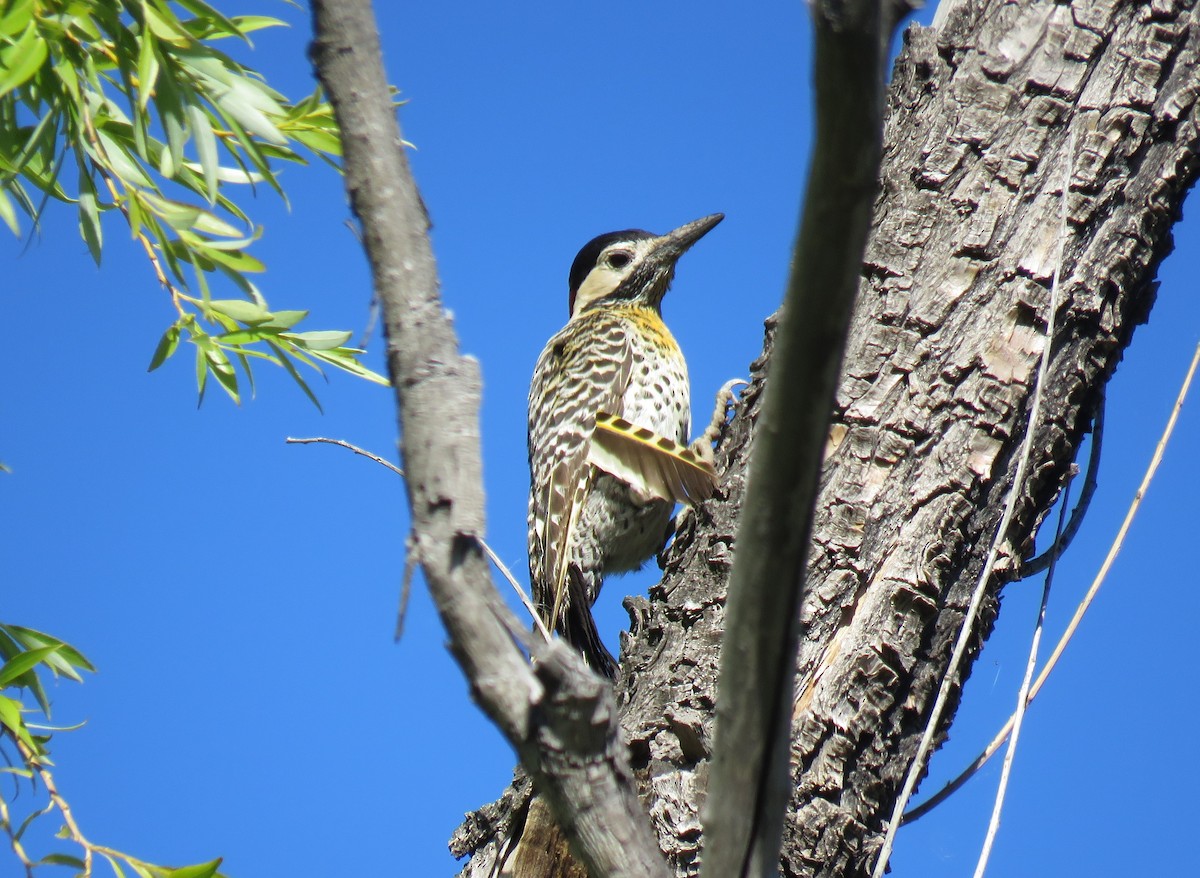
(934, 398)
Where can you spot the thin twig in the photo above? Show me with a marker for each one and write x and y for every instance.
(1002, 736)
(410, 564)
(18, 848)
(291, 440)
(507, 574)
(1018, 716)
(968, 624)
(73, 831)
(372, 319)
(1036, 565)
(373, 305)
(500, 565)
(1043, 368)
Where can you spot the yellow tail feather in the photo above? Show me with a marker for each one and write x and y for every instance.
(653, 465)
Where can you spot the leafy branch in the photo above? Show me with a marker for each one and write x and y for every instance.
(24, 652)
(157, 124)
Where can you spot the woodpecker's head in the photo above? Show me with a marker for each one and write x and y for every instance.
(631, 266)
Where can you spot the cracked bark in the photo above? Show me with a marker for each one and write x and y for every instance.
(933, 402)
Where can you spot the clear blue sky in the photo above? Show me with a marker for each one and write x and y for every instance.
(239, 594)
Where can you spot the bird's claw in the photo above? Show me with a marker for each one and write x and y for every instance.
(720, 416)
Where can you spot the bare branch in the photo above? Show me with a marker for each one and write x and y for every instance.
(751, 774)
(437, 389)
(1034, 566)
(291, 440)
(559, 717)
(495, 559)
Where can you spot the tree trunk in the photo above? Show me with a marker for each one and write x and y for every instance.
(933, 404)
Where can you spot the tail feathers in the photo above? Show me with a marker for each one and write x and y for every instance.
(579, 628)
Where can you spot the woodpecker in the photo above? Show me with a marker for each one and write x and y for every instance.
(608, 427)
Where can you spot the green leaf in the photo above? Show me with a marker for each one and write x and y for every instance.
(176, 214)
(344, 359)
(206, 148)
(86, 25)
(35, 686)
(284, 319)
(318, 140)
(148, 68)
(201, 374)
(169, 102)
(145, 870)
(223, 371)
(29, 818)
(241, 310)
(62, 662)
(250, 23)
(20, 61)
(239, 103)
(8, 214)
(182, 216)
(61, 860)
(166, 347)
(211, 224)
(205, 12)
(239, 337)
(38, 148)
(10, 717)
(290, 368)
(89, 216)
(23, 662)
(238, 262)
(117, 156)
(201, 870)
(170, 252)
(246, 100)
(164, 25)
(207, 244)
(134, 215)
(243, 357)
(325, 340)
(254, 151)
(16, 17)
(230, 175)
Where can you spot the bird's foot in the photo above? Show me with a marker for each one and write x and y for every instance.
(703, 446)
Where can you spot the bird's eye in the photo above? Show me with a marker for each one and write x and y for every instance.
(618, 260)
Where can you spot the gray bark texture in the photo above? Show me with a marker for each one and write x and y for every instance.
(559, 717)
(932, 406)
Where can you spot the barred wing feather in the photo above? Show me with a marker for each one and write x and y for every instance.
(652, 464)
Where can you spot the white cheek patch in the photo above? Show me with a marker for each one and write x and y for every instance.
(599, 283)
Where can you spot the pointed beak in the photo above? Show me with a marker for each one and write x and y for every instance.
(674, 244)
